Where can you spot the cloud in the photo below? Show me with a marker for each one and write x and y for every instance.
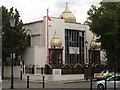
(32, 10)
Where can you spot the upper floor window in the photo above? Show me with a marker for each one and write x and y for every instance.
(29, 40)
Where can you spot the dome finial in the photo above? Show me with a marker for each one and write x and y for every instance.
(94, 45)
(93, 36)
(67, 15)
(66, 4)
(55, 34)
(66, 8)
(55, 31)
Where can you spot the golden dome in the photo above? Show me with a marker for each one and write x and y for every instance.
(98, 45)
(67, 15)
(95, 45)
(55, 42)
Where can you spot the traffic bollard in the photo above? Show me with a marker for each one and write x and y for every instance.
(105, 84)
(27, 81)
(21, 75)
(114, 80)
(43, 81)
(91, 80)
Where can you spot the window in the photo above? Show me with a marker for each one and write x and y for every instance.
(29, 40)
(117, 78)
(74, 40)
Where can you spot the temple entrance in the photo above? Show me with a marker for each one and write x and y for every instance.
(56, 56)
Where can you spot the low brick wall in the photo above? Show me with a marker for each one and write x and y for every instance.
(16, 71)
(54, 77)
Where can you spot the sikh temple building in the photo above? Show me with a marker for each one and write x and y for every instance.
(61, 41)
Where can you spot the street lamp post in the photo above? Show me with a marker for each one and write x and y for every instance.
(21, 70)
(12, 24)
(86, 43)
(86, 71)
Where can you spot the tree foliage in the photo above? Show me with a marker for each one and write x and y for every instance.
(105, 22)
(19, 41)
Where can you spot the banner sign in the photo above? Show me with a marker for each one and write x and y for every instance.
(73, 50)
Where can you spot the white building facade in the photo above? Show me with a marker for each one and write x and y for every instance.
(63, 44)
(72, 35)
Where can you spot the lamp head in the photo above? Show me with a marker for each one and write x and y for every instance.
(12, 20)
(86, 43)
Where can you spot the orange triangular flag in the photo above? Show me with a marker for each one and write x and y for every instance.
(49, 18)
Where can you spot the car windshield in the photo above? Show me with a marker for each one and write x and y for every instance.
(107, 72)
(103, 72)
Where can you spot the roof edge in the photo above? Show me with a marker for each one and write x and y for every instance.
(33, 22)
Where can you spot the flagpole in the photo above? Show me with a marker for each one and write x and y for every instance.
(47, 40)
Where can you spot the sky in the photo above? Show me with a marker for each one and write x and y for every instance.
(34, 10)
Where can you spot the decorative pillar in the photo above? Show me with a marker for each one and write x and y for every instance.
(94, 52)
(55, 51)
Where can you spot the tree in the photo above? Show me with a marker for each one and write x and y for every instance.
(19, 34)
(105, 22)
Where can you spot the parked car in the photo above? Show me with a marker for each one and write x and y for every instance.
(109, 82)
(104, 74)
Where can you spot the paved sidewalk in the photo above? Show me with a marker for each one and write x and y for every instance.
(50, 89)
(49, 85)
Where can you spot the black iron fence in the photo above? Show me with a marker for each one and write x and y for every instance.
(72, 69)
(32, 69)
(81, 68)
